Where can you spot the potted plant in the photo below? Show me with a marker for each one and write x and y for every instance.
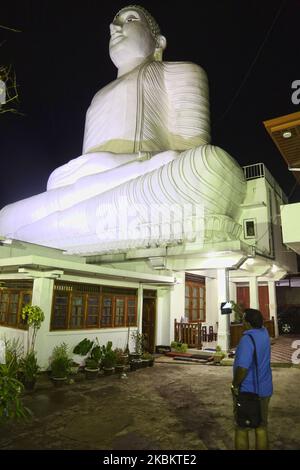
(178, 346)
(82, 350)
(238, 310)
(11, 405)
(91, 368)
(60, 364)
(121, 360)
(28, 370)
(109, 361)
(219, 355)
(138, 341)
(148, 358)
(97, 352)
(32, 316)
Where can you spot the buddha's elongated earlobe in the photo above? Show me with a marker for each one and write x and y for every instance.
(161, 44)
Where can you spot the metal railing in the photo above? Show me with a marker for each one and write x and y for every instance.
(259, 170)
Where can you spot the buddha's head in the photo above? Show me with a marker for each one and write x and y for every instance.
(135, 36)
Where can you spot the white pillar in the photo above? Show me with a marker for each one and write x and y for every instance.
(273, 305)
(177, 300)
(224, 320)
(140, 308)
(42, 295)
(253, 287)
(162, 330)
(232, 296)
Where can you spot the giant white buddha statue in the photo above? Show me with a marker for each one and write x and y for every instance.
(146, 145)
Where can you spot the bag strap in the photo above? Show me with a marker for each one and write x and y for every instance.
(255, 360)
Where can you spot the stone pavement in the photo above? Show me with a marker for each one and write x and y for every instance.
(167, 407)
(282, 351)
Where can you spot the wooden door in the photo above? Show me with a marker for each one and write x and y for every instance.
(148, 323)
(243, 296)
(263, 297)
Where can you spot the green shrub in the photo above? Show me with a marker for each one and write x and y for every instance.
(11, 406)
(28, 367)
(83, 347)
(179, 347)
(60, 361)
(91, 363)
(109, 360)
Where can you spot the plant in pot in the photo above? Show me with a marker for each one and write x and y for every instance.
(219, 355)
(109, 361)
(11, 405)
(32, 316)
(82, 350)
(148, 358)
(238, 310)
(138, 342)
(91, 368)
(121, 360)
(28, 370)
(97, 352)
(178, 346)
(60, 364)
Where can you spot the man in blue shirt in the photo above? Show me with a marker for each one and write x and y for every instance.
(245, 377)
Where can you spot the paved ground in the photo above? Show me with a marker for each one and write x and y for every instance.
(282, 350)
(169, 406)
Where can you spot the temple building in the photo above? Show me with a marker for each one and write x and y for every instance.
(152, 227)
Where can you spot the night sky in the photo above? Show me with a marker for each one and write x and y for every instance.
(249, 49)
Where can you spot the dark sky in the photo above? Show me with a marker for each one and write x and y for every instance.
(249, 49)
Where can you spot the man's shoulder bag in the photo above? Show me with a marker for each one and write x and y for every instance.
(248, 410)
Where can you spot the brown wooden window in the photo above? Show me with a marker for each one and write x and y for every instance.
(93, 309)
(131, 312)
(4, 302)
(11, 303)
(81, 306)
(77, 311)
(107, 311)
(13, 308)
(195, 301)
(120, 311)
(60, 311)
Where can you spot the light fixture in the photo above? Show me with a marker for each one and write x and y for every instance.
(286, 134)
(294, 169)
(274, 268)
(157, 262)
(250, 261)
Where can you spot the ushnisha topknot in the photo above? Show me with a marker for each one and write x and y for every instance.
(154, 27)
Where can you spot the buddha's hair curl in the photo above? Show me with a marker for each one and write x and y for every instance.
(155, 29)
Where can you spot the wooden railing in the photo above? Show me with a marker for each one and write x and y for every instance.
(189, 333)
(236, 331)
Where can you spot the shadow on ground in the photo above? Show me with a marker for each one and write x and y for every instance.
(168, 407)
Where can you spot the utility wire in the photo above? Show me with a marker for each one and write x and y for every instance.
(252, 63)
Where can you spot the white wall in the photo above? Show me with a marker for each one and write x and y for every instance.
(162, 333)
(211, 302)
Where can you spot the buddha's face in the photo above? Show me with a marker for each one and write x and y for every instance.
(131, 38)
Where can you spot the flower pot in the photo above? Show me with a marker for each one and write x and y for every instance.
(119, 368)
(134, 356)
(59, 381)
(29, 384)
(91, 374)
(108, 370)
(135, 364)
(151, 362)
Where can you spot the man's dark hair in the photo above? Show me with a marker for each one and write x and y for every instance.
(254, 317)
